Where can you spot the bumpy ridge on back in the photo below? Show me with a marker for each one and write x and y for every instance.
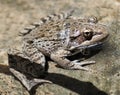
(63, 15)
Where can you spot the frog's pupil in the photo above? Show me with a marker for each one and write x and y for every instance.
(88, 35)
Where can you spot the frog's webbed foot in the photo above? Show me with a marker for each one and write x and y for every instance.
(80, 65)
(28, 83)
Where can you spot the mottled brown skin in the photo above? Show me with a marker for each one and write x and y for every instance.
(55, 36)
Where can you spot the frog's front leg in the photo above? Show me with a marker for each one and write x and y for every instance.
(59, 57)
(24, 70)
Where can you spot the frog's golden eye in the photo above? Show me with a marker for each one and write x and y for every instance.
(88, 34)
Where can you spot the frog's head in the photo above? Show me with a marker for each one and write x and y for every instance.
(87, 35)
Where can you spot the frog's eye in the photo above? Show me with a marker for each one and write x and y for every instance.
(92, 19)
(88, 34)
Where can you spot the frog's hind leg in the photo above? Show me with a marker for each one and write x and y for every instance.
(28, 83)
(29, 74)
(33, 54)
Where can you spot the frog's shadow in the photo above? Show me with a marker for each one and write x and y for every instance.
(75, 85)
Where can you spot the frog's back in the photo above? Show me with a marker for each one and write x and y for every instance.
(42, 27)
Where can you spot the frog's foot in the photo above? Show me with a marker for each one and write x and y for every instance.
(28, 83)
(79, 65)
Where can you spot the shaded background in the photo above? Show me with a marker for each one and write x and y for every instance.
(16, 14)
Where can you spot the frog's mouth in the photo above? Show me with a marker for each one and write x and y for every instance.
(79, 49)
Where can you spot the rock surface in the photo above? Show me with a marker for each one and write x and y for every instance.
(16, 14)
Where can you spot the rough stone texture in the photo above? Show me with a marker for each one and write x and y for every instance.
(16, 14)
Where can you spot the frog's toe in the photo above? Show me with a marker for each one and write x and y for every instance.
(85, 63)
(79, 65)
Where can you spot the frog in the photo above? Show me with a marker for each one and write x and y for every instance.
(56, 36)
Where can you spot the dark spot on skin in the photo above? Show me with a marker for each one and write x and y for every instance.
(47, 44)
(30, 42)
(47, 30)
(42, 35)
(43, 19)
(54, 43)
(41, 29)
(58, 29)
(67, 25)
(51, 24)
(43, 46)
(118, 74)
